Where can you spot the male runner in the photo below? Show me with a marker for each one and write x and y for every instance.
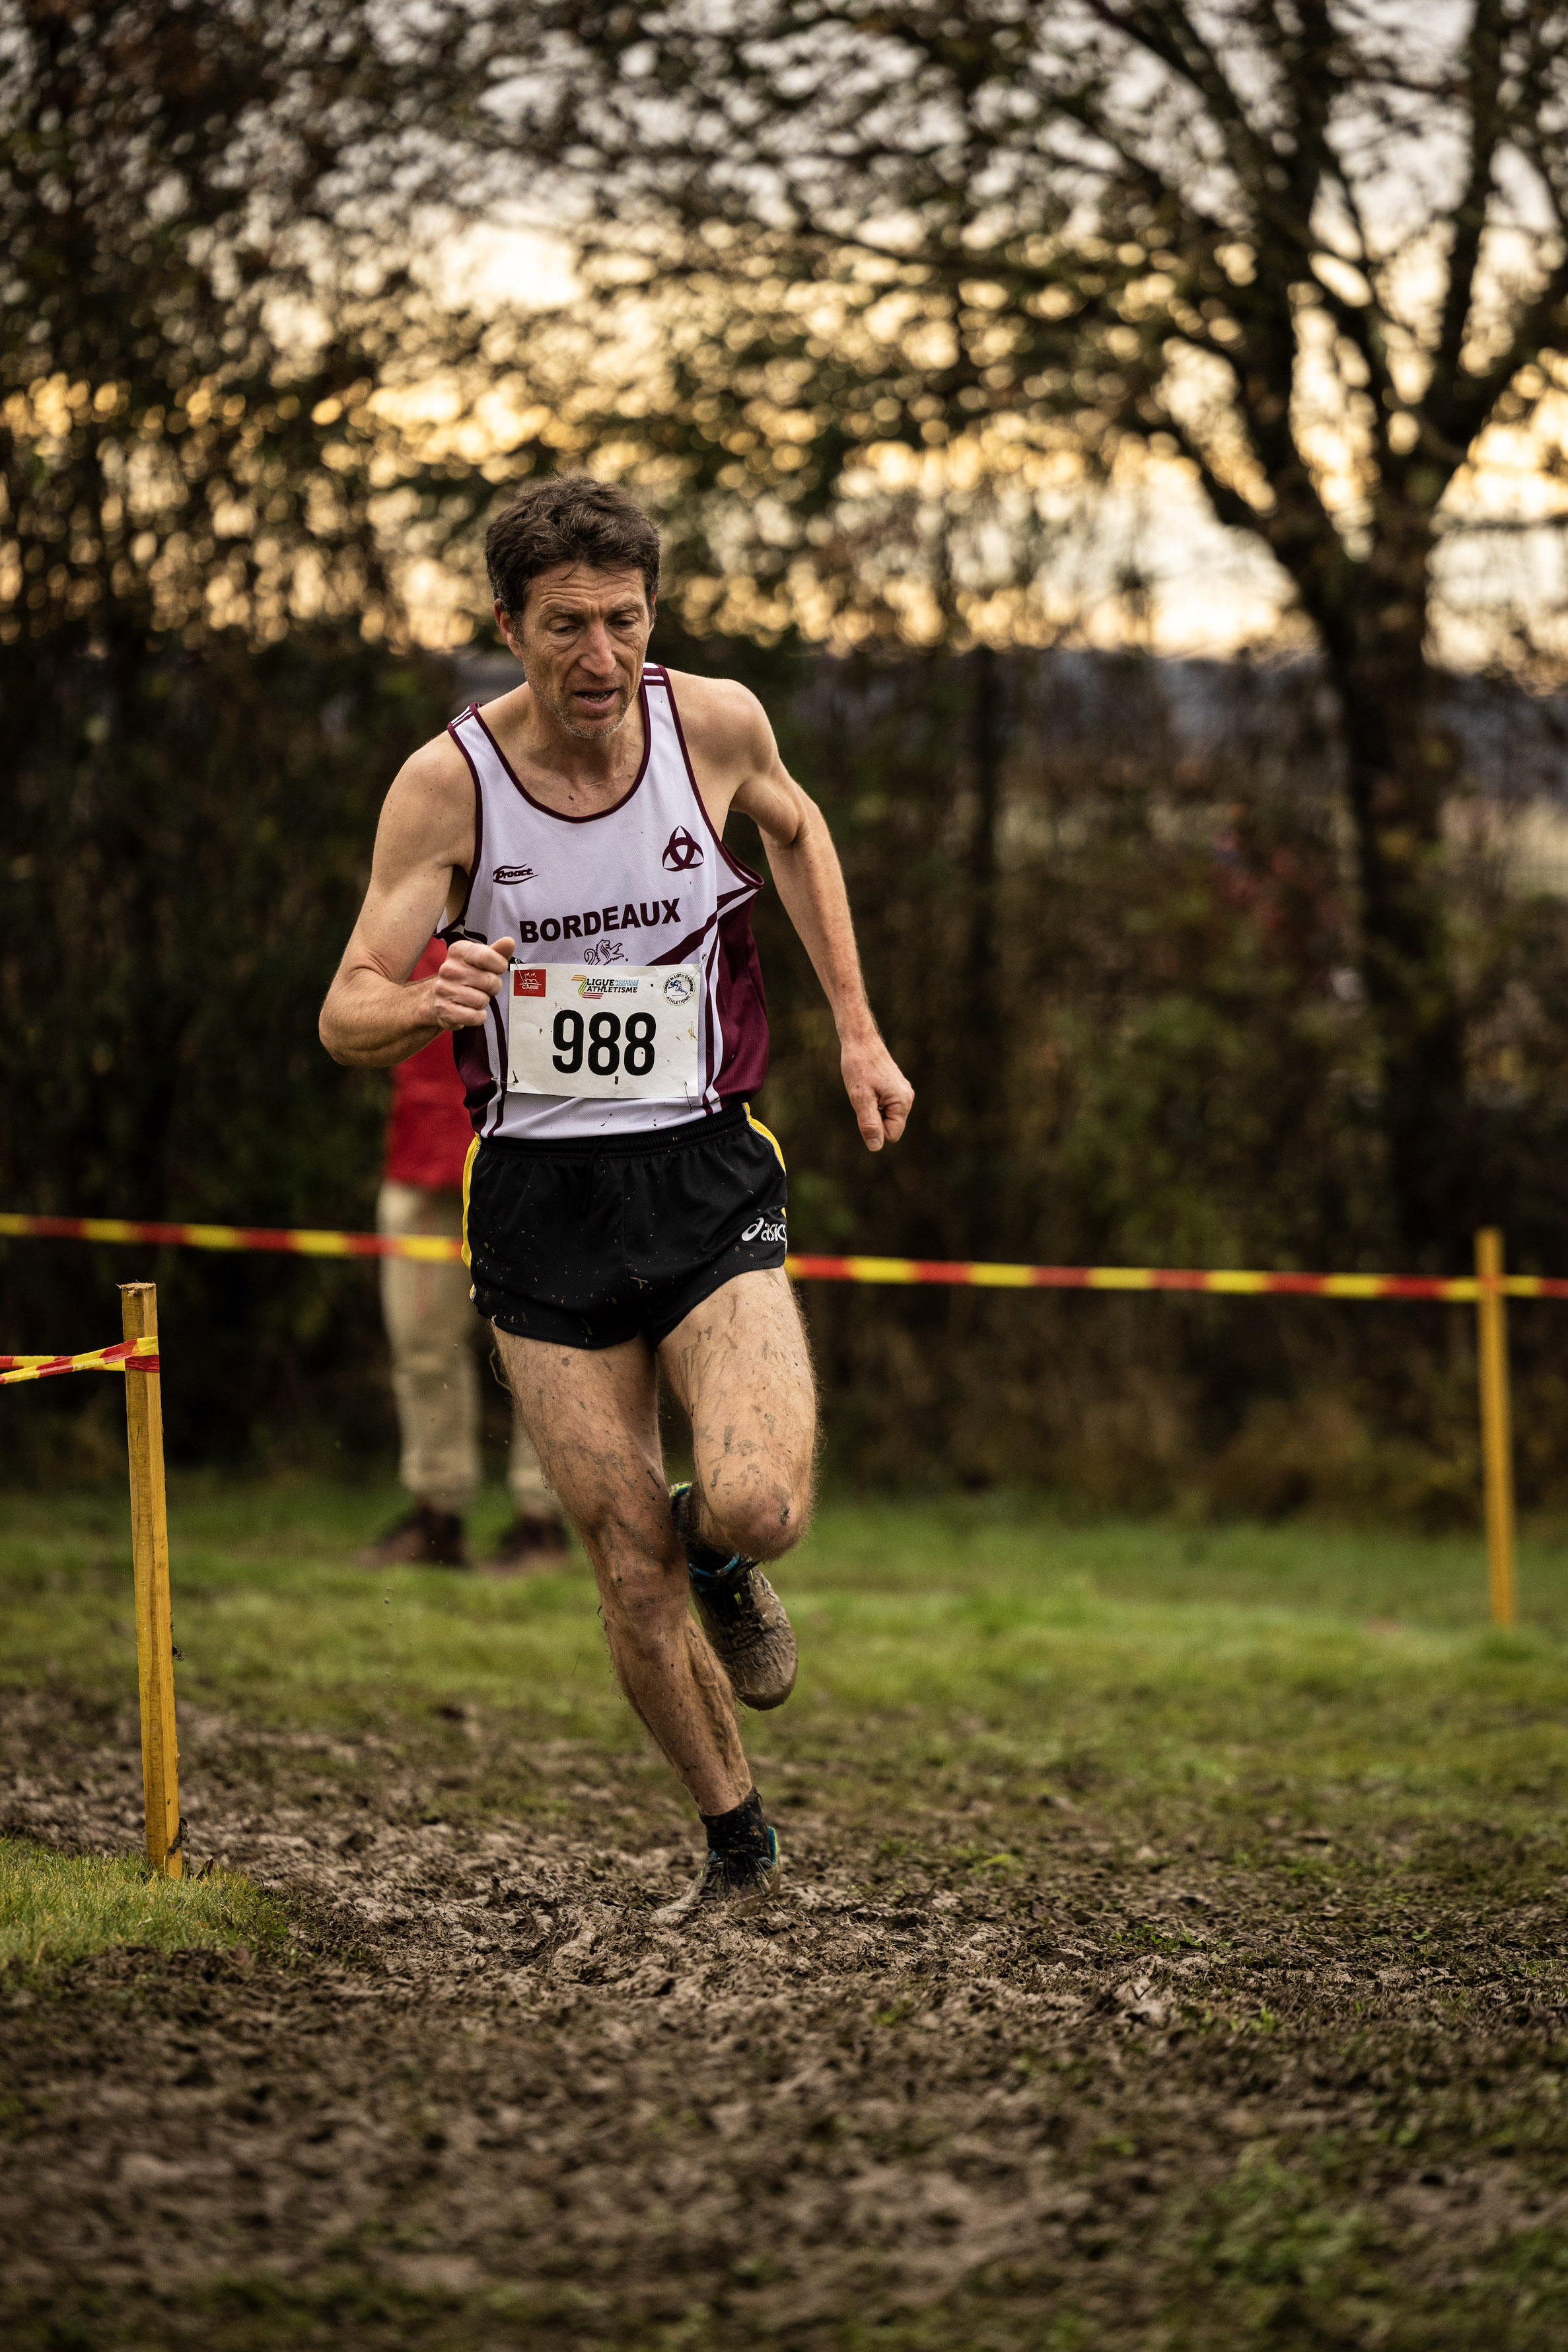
(625, 1212)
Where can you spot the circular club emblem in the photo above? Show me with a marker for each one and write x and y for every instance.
(679, 988)
(681, 853)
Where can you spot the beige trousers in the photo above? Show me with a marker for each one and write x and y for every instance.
(432, 1329)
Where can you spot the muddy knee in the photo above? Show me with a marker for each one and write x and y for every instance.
(764, 1523)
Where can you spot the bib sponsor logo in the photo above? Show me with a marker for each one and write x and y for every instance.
(769, 1228)
(636, 915)
(586, 987)
(512, 874)
(681, 853)
(679, 988)
(528, 983)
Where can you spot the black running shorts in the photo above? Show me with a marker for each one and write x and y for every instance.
(588, 1243)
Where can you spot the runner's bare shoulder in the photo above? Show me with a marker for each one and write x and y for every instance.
(726, 727)
(429, 813)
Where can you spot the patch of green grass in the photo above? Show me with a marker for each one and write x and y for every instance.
(55, 1907)
(1271, 1679)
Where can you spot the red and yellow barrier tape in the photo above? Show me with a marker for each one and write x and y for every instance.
(988, 1276)
(440, 1248)
(125, 1356)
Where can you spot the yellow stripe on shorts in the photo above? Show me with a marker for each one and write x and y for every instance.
(467, 1171)
(768, 1132)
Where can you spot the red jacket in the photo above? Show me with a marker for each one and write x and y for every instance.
(430, 1131)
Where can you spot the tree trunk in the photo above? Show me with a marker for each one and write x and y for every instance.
(983, 1077)
(1399, 767)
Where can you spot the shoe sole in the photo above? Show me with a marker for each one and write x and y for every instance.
(682, 1911)
(760, 1702)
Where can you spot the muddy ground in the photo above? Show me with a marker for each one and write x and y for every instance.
(1018, 2076)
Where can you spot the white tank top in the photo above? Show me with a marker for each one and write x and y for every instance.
(648, 881)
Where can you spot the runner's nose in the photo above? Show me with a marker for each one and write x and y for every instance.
(597, 658)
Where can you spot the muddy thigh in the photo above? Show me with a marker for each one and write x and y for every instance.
(740, 1365)
(592, 1416)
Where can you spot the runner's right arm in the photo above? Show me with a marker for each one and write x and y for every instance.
(373, 1015)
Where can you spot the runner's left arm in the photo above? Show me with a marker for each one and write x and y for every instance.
(810, 881)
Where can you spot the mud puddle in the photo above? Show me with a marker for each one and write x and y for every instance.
(934, 2091)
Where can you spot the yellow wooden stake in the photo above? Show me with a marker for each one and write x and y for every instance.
(1497, 1434)
(154, 1629)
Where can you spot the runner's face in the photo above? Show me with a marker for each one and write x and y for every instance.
(582, 640)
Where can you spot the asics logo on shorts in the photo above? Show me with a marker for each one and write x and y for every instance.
(681, 851)
(769, 1228)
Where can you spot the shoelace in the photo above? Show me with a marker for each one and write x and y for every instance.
(725, 1578)
(706, 1579)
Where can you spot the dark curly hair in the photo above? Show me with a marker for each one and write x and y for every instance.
(570, 518)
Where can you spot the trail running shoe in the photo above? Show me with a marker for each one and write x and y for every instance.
(742, 1615)
(731, 1885)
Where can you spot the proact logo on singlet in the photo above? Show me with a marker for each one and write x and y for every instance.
(512, 874)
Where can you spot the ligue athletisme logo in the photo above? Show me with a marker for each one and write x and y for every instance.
(681, 853)
(603, 987)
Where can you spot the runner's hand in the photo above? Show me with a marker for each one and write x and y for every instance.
(466, 983)
(879, 1091)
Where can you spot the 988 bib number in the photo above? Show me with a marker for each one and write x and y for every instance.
(608, 1052)
(626, 1031)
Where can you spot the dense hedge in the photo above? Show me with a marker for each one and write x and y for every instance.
(183, 853)
(1112, 946)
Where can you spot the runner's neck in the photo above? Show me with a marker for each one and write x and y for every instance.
(564, 772)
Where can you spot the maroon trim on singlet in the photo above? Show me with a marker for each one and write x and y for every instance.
(742, 1007)
(594, 816)
(455, 927)
(500, 1087)
(689, 946)
(662, 677)
(734, 975)
(480, 1088)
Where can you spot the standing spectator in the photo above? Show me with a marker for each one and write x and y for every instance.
(432, 1327)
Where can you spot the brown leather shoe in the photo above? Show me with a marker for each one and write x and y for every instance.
(535, 1542)
(425, 1538)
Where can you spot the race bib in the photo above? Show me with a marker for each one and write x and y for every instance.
(627, 1031)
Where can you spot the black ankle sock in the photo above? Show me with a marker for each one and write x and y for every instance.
(707, 1564)
(743, 1831)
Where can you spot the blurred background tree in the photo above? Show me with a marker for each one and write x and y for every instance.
(1314, 253)
(930, 336)
(192, 578)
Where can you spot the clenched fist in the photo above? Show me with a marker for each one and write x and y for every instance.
(471, 975)
(879, 1089)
